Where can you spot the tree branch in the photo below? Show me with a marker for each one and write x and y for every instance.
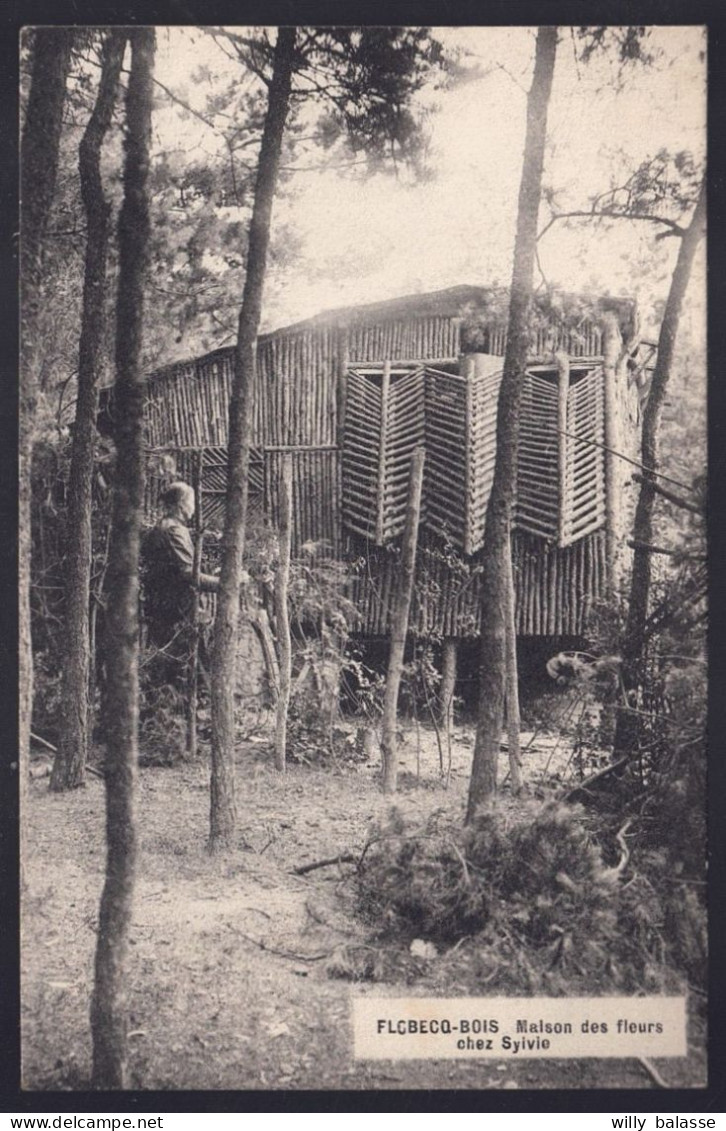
(671, 496)
(613, 214)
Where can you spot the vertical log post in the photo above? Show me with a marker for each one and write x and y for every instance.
(341, 401)
(511, 684)
(400, 622)
(196, 571)
(382, 440)
(341, 408)
(282, 616)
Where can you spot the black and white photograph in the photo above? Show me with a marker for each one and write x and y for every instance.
(363, 558)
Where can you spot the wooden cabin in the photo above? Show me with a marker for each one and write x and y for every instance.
(350, 393)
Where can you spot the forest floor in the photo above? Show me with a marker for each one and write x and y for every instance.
(229, 983)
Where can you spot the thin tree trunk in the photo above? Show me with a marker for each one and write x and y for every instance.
(70, 762)
(399, 624)
(261, 624)
(650, 458)
(109, 1002)
(447, 689)
(39, 167)
(223, 811)
(512, 686)
(612, 346)
(282, 614)
(498, 521)
(193, 695)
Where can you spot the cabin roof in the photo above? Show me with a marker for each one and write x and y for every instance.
(451, 301)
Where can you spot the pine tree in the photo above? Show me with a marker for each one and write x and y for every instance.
(496, 576)
(108, 1007)
(70, 762)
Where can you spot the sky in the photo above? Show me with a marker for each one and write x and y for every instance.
(363, 240)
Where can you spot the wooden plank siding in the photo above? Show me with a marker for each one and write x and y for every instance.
(309, 376)
(555, 590)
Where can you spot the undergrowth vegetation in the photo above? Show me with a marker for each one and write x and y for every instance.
(549, 900)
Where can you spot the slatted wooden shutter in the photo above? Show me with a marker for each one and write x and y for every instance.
(561, 468)
(583, 490)
(446, 455)
(384, 422)
(461, 420)
(537, 507)
(484, 375)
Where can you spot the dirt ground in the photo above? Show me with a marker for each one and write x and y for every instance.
(228, 986)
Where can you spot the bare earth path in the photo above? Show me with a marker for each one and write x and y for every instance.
(228, 982)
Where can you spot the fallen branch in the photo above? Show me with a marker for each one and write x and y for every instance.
(324, 922)
(44, 742)
(649, 548)
(342, 858)
(653, 1072)
(671, 496)
(54, 750)
(613, 873)
(284, 953)
(584, 787)
(462, 860)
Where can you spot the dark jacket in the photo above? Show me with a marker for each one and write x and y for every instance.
(168, 558)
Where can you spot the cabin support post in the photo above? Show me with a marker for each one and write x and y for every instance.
(399, 624)
(282, 616)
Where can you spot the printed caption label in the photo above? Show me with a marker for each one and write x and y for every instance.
(521, 1028)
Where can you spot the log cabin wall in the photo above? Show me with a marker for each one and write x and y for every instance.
(556, 590)
(300, 405)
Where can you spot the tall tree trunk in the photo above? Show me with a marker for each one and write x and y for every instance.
(70, 762)
(612, 345)
(650, 457)
(399, 626)
(498, 521)
(193, 684)
(512, 683)
(39, 167)
(109, 1004)
(282, 615)
(223, 812)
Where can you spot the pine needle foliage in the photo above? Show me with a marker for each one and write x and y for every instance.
(544, 902)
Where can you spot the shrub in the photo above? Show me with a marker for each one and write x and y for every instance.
(539, 889)
(418, 882)
(162, 726)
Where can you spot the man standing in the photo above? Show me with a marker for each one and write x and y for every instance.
(170, 590)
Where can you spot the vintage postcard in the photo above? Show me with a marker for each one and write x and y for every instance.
(363, 558)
